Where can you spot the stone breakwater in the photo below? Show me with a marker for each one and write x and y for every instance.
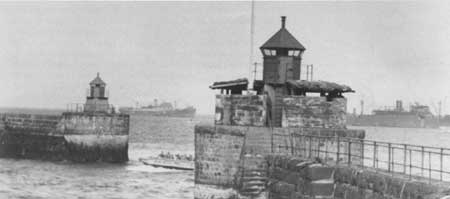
(80, 137)
(293, 177)
(246, 162)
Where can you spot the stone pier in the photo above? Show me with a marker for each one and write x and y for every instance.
(241, 162)
(80, 137)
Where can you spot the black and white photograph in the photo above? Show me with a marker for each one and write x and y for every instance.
(332, 99)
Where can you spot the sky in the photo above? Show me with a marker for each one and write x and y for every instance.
(172, 51)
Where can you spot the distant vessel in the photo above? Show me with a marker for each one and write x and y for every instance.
(418, 116)
(164, 109)
(170, 161)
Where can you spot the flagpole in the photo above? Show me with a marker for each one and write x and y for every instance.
(252, 32)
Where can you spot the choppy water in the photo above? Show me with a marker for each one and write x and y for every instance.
(148, 136)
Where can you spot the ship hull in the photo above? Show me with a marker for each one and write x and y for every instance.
(188, 114)
(403, 121)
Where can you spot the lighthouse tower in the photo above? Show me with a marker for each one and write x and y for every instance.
(96, 100)
(282, 55)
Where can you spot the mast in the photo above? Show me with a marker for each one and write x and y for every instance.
(252, 32)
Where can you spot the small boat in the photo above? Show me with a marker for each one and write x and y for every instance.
(168, 163)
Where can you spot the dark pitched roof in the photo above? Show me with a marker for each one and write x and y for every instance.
(97, 80)
(229, 84)
(319, 86)
(283, 39)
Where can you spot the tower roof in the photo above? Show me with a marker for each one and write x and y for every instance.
(283, 39)
(97, 80)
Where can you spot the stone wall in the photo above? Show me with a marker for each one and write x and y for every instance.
(41, 124)
(96, 136)
(242, 110)
(31, 136)
(95, 124)
(218, 153)
(226, 155)
(313, 142)
(73, 136)
(304, 111)
(223, 144)
(292, 177)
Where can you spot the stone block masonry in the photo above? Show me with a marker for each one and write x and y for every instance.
(293, 177)
(80, 137)
(228, 165)
(32, 136)
(241, 110)
(233, 156)
(297, 111)
(304, 111)
(217, 155)
(36, 124)
(96, 136)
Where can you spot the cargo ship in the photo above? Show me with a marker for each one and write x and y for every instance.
(165, 109)
(418, 116)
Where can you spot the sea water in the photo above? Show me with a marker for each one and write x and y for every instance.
(149, 136)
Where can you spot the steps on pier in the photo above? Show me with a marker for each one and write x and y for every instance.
(254, 175)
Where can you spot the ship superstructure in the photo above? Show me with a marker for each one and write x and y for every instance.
(160, 109)
(418, 116)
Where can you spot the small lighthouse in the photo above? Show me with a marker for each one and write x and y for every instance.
(282, 57)
(97, 100)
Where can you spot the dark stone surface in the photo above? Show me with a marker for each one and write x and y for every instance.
(81, 153)
(347, 182)
(45, 137)
(32, 146)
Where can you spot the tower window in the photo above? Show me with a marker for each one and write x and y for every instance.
(294, 53)
(268, 52)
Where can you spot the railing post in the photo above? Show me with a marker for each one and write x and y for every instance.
(393, 158)
(442, 159)
(349, 151)
(292, 143)
(429, 165)
(374, 154)
(338, 150)
(389, 157)
(326, 150)
(271, 142)
(318, 147)
(421, 168)
(362, 153)
(404, 158)
(310, 147)
(410, 163)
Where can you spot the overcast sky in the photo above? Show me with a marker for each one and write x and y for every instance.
(174, 50)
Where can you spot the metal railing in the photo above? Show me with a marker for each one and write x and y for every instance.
(407, 159)
(78, 108)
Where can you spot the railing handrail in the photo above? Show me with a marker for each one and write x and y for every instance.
(80, 107)
(380, 155)
(365, 140)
